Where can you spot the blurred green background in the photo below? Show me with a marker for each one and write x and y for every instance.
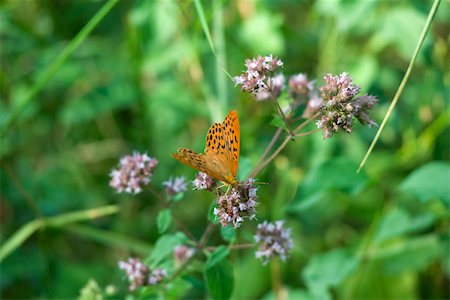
(146, 79)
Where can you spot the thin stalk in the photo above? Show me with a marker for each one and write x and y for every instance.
(276, 279)
(274, 154)
(283, 116)
(205, 236)
(268, 148)
(261, 166)
(308, 132)
(21, 235)
(300, 127)
(166, 203)
(403, 83)
(234, 247)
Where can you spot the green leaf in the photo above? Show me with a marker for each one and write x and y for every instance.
(177, 197)
(219, 254)
(219, 274)
(277, 121)
(329, 269)
(163, 220)
(337, 174)
(164, 247)
(410, 254)
(398, 221)
(228, 233)
(429, 182)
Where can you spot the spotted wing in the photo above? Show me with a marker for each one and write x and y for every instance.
(200, 162)
(232, 141)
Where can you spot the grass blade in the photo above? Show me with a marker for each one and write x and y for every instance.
(28, 229)
(403, 83)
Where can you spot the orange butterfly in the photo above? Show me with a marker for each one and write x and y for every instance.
(221, 156)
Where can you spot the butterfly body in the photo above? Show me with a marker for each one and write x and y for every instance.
(221, 156)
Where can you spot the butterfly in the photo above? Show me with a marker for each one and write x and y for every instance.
(221, 155)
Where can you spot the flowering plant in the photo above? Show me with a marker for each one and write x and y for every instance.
(333, 106)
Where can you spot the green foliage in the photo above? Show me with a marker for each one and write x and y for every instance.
(219, 274)
(419, 184)
(329, 270)
(83, 83)
(163, 221)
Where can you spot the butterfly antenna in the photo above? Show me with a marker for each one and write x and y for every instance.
(261, 183)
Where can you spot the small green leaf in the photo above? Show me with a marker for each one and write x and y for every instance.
(330, 269)
(163, 220)
(164, 247)
(219, 274)
(410, 254)
(398, 222)
(177, 197)
(277, 121)
(219, 254)
(337, 174)
(428, 182)
(228, 233)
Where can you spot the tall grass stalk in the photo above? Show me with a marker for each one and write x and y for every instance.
(430, 17)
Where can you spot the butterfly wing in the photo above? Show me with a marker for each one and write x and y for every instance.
(221, 156)
(199, 161)
(232, 140)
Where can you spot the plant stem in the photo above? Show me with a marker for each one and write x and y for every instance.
(235, 247)
(276, 279)
(261, 166)
(283, 116)
(268, 148)
(205, 236)
(274, 154)
(22, 234)
(308, 132)
(299, 127)
(403, 83)
(166, 203)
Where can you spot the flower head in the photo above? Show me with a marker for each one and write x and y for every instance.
(134, 172)
(314, 104)
(300, 85)
(139, 274)
(274, 240)
(258, 79)
(157, 276)
(238, 204)
(340, 105)
(182, 253)
(175, 185)
(203, 181)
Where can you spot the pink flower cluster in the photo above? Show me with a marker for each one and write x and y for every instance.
(133, 173)
(203, 181)
(274, 240)
(175, 185)
(340, 105)
(259, 80)
(139, 274)
(238, 204)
